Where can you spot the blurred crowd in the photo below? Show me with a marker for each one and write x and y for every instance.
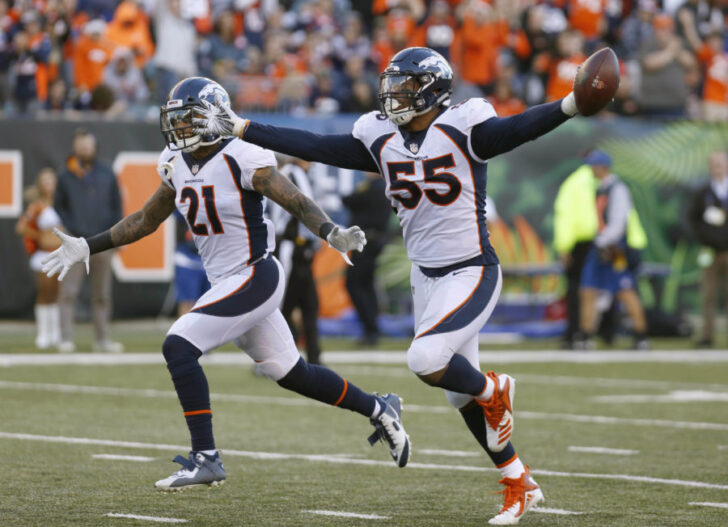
(324, 56)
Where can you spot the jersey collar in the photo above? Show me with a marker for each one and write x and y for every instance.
(195, 165)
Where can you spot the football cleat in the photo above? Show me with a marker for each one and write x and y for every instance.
(198, 469)
(498, 411)
(520, 495)
(389, 429)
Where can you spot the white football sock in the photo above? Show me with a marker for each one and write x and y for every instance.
(513, 469)
(489, 388)
(377, 408)
(209, 452)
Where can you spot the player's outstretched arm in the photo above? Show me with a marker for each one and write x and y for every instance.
(502, 134)
(344, 151)
(130, 229)
(272, 184)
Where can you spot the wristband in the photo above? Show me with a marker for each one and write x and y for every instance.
(100, 242)
(240, 128)
(325, 230)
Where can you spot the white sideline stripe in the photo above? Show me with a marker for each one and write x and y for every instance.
(158, 519)
(550, 380)
(709, 504)
(300, 401)
(377, 357)
(119, 457)
(348, 515)
(602, 419)
(447, 453)
(554, 511)
(603, 450)
(676, 396)
(350, 461)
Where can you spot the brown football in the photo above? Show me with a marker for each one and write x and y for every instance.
(596, 82)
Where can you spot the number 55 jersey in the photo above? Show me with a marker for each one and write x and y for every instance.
(436, 183)
(223, 211)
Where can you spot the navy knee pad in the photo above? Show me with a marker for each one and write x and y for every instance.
(181, 355)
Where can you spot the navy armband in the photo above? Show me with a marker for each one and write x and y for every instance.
(326, 229)
(100, 242)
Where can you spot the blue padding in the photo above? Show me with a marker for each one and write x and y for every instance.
(471, 308)
(253, 293)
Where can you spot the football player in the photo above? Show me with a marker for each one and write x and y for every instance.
(218, 184)
(433, 157)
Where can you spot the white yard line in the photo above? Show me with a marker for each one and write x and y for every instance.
(603, 450)
(351, 461)
(342, 514)
(379, 357)
(158, 519)
(118, 457)
(709, 504)
(676, 396)
(554, 511)
(301, 401)
(447, 453)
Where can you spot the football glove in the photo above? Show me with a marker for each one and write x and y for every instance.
(568, 105)
(219, 119)
(71, 251)
(345, 240)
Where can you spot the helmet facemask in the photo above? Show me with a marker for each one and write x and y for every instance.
(177, 127)
(400, 95)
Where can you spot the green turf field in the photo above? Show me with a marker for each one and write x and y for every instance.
(324, 463)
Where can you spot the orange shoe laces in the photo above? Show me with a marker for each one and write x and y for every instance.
(515, 493)
(496, 406)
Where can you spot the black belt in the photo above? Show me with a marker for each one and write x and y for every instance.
(437, 272)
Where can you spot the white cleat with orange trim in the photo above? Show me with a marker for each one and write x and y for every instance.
(520, 495)
(498, 411)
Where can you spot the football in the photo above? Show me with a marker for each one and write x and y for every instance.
(596, 82)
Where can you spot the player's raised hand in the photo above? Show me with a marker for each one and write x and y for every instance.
(345, 240)
(218, 119)
(72, 251)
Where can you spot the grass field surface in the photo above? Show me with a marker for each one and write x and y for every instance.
(611, 444)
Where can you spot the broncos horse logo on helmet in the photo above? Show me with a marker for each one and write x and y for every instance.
(183, 104)
(415, 81)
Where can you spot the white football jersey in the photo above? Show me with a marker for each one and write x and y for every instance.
(223, 211)
(436, 185)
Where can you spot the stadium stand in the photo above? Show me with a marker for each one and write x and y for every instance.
(323, 56)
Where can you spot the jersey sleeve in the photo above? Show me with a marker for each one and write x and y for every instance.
(164, 166)
(368, 127)
(251, 158)
(475, 111)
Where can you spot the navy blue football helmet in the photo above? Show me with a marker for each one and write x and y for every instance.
(415, 81)
(175, 118)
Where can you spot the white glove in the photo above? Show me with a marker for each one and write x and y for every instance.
(568, 105)
(219, 119)
(71, 251)
(345, 240)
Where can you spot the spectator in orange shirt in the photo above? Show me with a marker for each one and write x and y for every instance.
(438, 30)
(382, 48)
(588, 16)
(482, 37)
(504, 102)
(570, 46)
(130, 28)
(714, 60)
(91, 54)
